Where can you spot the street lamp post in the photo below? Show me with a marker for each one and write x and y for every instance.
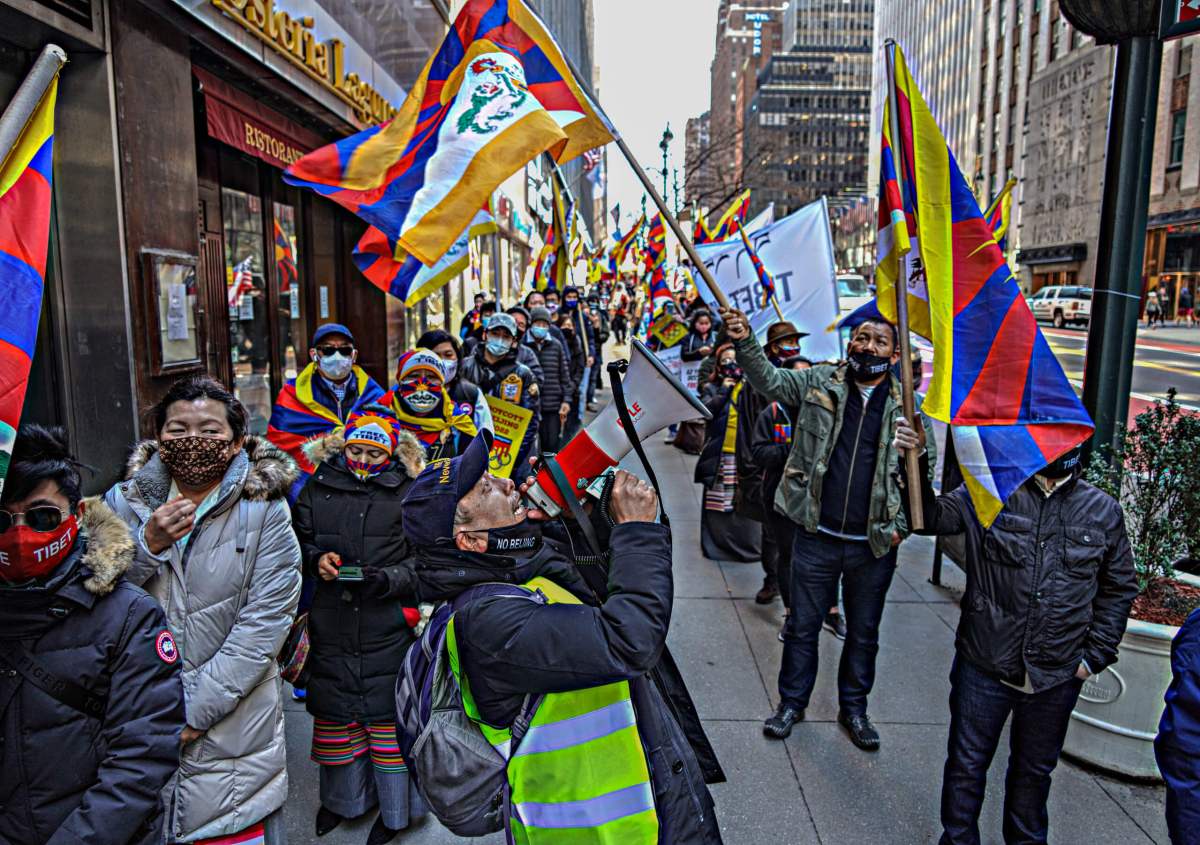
(1121, 248)
(665, 146)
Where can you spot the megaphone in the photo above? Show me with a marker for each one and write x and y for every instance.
(654, 398)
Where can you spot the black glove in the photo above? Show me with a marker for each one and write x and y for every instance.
(375, 583)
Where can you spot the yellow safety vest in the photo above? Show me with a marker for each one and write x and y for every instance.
(579, 775)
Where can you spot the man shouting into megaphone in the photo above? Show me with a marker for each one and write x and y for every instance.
(567, 678)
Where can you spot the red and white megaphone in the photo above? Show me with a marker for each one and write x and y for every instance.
(654, 398)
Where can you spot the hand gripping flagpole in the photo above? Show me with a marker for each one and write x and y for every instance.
(912, 463)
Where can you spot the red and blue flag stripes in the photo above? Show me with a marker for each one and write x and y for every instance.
(285, 263)
(766, 282)
(25, 194)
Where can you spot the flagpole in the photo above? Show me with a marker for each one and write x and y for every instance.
(778, 310)
(28, 97)
(912, 463)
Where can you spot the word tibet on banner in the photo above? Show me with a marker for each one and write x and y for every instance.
(798, 253)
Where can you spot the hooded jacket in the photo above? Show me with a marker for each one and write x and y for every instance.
(356, 643)
(512, 381)
(67, 778)
(230, 597)
(510, 648)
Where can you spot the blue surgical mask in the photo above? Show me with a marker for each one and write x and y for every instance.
(449, 368)
(540, 332)
(334, 367)
(498, 348)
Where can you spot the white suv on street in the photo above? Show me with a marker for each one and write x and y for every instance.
(1062, 305)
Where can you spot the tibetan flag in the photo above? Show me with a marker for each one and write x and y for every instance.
(700, 233)
(999, 214)
(656, 244)
(497, 93)
(624, 242)
(995, 379)
(736, 213)
(25, 180)
(285, 263)
(403, 276)
(765, 282)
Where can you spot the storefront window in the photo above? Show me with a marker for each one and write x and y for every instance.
(249, 326)
(293, 345)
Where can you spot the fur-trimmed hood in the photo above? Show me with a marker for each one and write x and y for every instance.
(409, 451)
(110, 547)
(264, 471)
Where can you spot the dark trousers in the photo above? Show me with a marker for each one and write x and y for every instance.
(979, 706)
(777, 535)
(818, 560)
(549, 430)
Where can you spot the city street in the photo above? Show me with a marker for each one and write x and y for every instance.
(816, 787)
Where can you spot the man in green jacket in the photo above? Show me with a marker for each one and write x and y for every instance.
(839, 487)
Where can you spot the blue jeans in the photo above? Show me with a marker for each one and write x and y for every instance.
(979, 706)
(818, 561)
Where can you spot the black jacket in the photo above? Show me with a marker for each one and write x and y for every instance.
(557, 386)
(357, 643)
(524, 356)
(696, 341)
(770, 444)
(1050, 584)
(67, 778)
(512, 381)
(509, 649)
(715, 397)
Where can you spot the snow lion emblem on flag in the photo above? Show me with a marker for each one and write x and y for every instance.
(498, 91)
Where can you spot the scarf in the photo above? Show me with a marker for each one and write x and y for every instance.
(730, 443)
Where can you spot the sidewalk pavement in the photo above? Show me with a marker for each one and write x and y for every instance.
(1170, 333)
(815, 787)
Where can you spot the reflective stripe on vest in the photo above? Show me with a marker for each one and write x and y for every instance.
(579, 775)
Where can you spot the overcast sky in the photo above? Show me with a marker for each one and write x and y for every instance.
(654, 58)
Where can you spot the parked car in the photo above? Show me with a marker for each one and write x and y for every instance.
(1062, 305)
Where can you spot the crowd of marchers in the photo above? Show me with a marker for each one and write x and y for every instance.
(146, 632)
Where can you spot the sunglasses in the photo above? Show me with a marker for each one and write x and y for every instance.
(330, 349)
(41, 519)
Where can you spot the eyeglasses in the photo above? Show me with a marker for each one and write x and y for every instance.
(41, 519)
(330, 349)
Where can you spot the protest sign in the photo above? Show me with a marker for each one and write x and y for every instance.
(668, 329)
(510, 423)
(798, 252)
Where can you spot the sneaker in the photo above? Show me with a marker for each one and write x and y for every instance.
(768, 593)
(862, 732)
(836, 625)
(779, 725)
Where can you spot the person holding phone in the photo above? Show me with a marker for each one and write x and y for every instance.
(348, 522)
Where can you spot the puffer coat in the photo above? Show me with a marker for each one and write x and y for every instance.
(67, 778)
(230, 597)
(357, 643)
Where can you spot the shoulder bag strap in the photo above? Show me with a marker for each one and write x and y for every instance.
(23, 661)
(581, 517)
(614, 378)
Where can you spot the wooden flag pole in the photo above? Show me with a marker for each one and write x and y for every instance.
(912, 463)
(778, 310)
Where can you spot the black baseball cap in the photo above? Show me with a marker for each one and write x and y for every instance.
(428, 515)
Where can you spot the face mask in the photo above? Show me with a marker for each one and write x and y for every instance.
(498, 348)
(571, 304)
(551, 307)
(1063, 465)
(449, 368)
(864, 366)
(420, 395)
(788, 351)
(334, 367)
(483, 322)
(26, 554)
(197, 462)
(518, 540)
(731, 370)
(540, 332)
(363, 470)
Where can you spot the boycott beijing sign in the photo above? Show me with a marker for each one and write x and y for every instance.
(798, 252)
(510, 423)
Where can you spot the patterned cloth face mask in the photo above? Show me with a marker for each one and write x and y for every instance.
(364, 469)
(197, 462)
(421, 393)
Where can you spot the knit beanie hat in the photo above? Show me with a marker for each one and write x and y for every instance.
(371, 429)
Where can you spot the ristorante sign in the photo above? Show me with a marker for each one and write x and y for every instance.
(323, 61)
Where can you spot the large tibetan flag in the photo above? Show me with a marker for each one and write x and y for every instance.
(736, 213)
(25, 182)
(766, 283)
(999, 214)
(995, 380)
(497, 93)
(394, 272)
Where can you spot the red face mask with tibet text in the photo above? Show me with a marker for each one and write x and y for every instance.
(26, 554)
